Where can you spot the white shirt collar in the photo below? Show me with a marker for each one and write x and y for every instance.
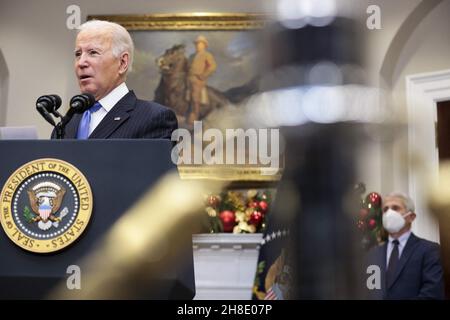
(111, 99)
(402, 239)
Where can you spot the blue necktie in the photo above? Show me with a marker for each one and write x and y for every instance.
(83, 127)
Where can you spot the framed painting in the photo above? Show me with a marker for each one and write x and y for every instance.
(196, 63)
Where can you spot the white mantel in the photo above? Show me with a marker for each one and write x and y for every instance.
(225, 265)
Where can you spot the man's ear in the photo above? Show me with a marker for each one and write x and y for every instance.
(411, 217)
(124, 61)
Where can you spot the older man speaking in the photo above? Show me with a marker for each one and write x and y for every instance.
(103, 56)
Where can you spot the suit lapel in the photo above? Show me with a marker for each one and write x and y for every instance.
(72, 127)
(406, 254)
(115, 117)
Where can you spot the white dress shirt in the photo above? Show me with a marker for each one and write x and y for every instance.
(107, 102)
(402, 243)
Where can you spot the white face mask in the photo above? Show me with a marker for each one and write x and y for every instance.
(393, 221)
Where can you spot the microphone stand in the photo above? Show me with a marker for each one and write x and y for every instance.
(60, 130)
(78, 104)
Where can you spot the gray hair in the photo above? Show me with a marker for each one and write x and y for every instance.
(121, 39)
(407, 201)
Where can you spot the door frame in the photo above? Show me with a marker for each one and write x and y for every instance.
(423, 92)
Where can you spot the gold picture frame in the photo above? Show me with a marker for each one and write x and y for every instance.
(241, 175)
(188, 21)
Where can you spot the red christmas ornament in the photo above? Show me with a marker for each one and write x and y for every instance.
(263, 205)
(372, 224)
(256, 218)
(228, 219)
(374, 199)
(363, 213)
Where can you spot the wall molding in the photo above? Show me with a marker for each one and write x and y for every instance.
(423, 92)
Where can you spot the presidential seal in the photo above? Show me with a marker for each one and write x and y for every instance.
(45, 205)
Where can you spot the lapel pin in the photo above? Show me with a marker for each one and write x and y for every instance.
(116, 118)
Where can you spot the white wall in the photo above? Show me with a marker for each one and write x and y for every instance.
(377, 169)
(393, 14)
(427, 50)
(4, 80)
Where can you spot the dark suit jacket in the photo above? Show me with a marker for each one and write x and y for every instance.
(419, 273)
(130, 118)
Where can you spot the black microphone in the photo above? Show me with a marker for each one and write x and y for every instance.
(56, 104)
(44, 113)
(47, 105)
(51, 102)
(78, 104)
(82, 102)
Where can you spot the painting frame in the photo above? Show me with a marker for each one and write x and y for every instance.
(239, 175)
(188, 21)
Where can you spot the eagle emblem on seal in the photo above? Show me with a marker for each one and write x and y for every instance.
(45, 201)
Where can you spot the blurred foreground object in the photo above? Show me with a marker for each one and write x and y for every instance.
(324, 245)
(439, 203)
(315, 91)
(145, 242)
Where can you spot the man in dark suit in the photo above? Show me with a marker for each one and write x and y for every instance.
(410, 266)
(103, 56)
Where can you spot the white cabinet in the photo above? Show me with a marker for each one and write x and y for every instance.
(225, 265)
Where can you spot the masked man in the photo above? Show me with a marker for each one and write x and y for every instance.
(410, 266)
